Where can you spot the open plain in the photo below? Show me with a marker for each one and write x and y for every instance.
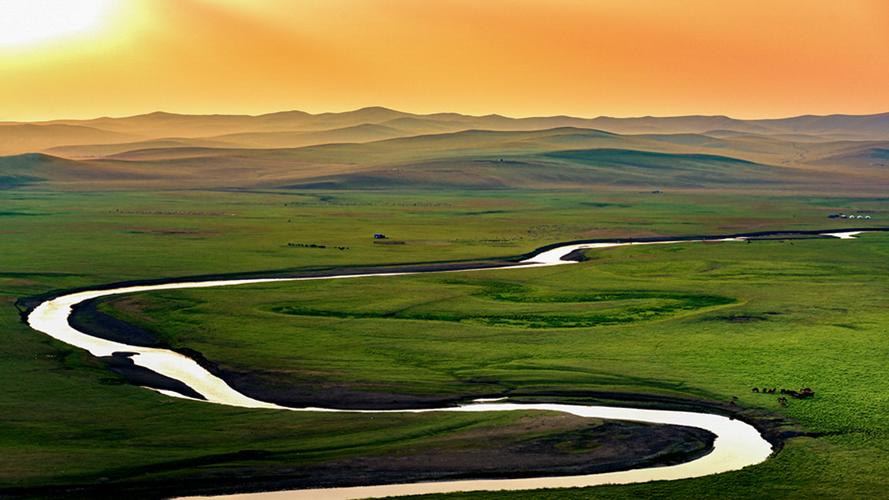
(693, 326)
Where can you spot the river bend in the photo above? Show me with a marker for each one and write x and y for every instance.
(737, 443)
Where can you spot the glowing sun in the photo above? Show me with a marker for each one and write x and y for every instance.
(24, 22)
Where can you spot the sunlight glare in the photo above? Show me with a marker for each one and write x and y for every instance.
(24, 22)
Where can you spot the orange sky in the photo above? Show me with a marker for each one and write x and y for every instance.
(747, 58)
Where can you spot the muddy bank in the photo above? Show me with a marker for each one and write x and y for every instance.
(121, 364)
(87, 317)
(776, 429)
(284, 391)
(582, 448)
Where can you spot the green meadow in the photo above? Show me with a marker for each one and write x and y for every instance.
(699, 321)
(85, 238)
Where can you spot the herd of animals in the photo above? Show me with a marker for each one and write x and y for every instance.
(803, 393)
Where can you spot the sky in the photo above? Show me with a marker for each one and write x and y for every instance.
(744, 58)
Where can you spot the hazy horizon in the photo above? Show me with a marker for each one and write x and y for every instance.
(426, 113)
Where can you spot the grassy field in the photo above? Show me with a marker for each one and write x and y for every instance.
(806, 313)
(702, 321)
(767, 313)
(107, 236)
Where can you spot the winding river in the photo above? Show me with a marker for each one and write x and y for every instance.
(737, 444)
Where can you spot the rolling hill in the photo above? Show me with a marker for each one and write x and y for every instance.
(381, 148)
(297, 128)
(25, 137)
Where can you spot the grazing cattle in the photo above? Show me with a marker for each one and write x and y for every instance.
(803, 393)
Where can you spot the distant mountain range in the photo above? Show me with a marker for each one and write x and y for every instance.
(297, 128)
(380, 148)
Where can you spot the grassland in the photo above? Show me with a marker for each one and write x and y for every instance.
(109, 236)
(67, 420)
(90, 202)
(772, 323)
(805, 313)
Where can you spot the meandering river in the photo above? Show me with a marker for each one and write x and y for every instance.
(737, 443)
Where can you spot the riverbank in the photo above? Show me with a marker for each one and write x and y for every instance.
(270, 387)
(44, 322)
(542, 445)
(26, 304)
